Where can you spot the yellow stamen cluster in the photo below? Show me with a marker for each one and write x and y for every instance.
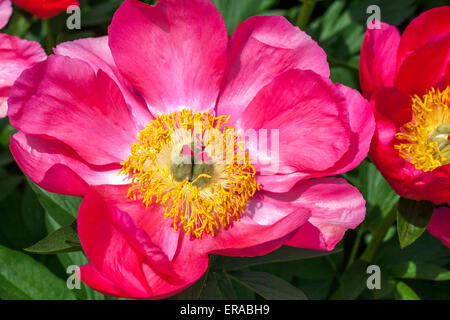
(424, 141)
(198, 208)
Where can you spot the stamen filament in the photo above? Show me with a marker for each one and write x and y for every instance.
(424, 140)
(210, 195)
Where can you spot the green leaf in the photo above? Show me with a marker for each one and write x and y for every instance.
(22, 219)
(315, 290)
(412, 219)
(6, 158)
(5, 135)
(392, 12)
(64, 209)
(225, 286)
(74, 259)
(8, 185)
(194, 292)
(211, 289)
(268, 286)
(32, 214)
(344, 76)
(217, 287)
(18, 24)
(430, 290)
(426, 248)
(283, 254)
(236, 11)
(211, 286)
(331, 22)
(62, 240)
(315, 269)
(22, 278)
(376, 191)
(352, 282)
(420, 270)
(405, 292)
(387, 287)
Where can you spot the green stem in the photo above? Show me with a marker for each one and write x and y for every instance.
(335, 269)
(50, 40)
(339, 63)
(378, 235)
(243, 284)
(305, 13)
(356, 245)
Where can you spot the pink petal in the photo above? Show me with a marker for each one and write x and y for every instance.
(279, 182)
(5, 12)
(310, 113)
(3, 107)
(362, 124)
(267, 224)
(155, 257)
(96, 52)
(16, 55)
(426, 67)
(150, 219)
(428, 186)
(439, 225)
(392, 110)
(100, 282)
(127, 256)
(262, 48)
(393, 105)
(336, 206)
(187, 260)
(108, 249)
(378, 63)
(64, 99)
(174, 53)
(426, 26)
(57, 168)
(258, 249)
(443, 171)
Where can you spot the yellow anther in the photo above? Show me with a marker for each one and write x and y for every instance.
(424, 140)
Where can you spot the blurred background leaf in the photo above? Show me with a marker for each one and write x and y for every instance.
(21, 277)
(63, 209)
(268, 286)
(62, 240)
(412, 219)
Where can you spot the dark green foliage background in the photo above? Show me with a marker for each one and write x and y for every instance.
(28, 214)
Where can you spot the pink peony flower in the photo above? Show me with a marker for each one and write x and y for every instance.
(16, 55)
(111, 118)
(45, 8)
(5, 12)
(407, 79)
